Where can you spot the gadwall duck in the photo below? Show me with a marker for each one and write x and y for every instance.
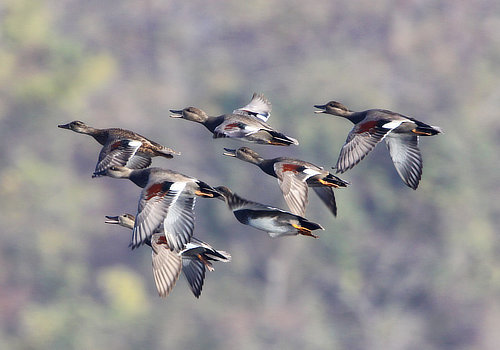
(246, 123)
(167, 199)
(372, 126)
(294, 177)
(192, 261)
(276, 222)
(121, 147)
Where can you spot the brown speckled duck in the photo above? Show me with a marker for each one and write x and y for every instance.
(276, 222)
(167, 199)
(192, 261)
(121, 147)
(294, 177)
(247, 123)
(374, 125)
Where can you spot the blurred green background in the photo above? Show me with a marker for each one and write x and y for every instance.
(398, 269)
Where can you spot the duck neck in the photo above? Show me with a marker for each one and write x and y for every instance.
(100, 135)
(354, 117)
(235, 202)
(267, 166)
(211, 122)
(140, 177)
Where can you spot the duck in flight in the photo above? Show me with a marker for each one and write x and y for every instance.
(401, 134)
(167, 199)
(192, 261)
(294, 177)
(247, 123)
(121, 147)
(276, 222)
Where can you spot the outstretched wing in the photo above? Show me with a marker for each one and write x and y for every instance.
(406, 157)
(194, 270)
(165, 204)
(292, 181)
(361, 140)
(328, 197)
(167, 265)
(116, 153)
(258, 107)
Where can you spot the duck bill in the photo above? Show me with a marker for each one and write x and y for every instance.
(112, 220)
(176, 113)
(322, 107)
(64, 126)
(229, 152)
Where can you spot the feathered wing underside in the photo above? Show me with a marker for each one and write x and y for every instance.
(293, 186)
(259, 107)
(194, 270)
(179, 222)
(156, 202)
(167, 266)
(116, 153)
(360, 141)
(328, 197)
(406, 157)
(138, 161)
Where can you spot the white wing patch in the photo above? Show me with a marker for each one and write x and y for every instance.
(392, 124)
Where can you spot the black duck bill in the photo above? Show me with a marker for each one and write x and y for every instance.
(112, 220)
(64, 126)
(177, 113)
(321, 107)
(229, 152)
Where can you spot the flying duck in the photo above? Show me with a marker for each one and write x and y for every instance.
(167, 199)
(193, 260)
(121, 147)
(294, 177)
(276, 222)
(247, 123)
(372, 126)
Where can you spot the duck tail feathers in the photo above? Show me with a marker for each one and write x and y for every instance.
(310, 225)
(280, 139)
(208, 191)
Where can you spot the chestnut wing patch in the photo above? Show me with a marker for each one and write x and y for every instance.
(360, 141)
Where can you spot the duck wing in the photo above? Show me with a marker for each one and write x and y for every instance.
(116, 153)
(238, 127)
(194, 270)
(138, 161)
(361, 140)
(258, 107)
(328, 197)
(167, 265)
(406, 157)
(292, 181)
(166, 204)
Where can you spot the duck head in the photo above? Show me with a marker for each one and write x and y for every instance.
(244, 153)
(118, 172)
(190, 113)
(334, 108)
(76, 126)
(224, 191)
(125, 220)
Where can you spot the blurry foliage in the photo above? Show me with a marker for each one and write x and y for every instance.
(397, 269)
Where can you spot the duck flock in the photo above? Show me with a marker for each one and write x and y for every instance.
(165, 216)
